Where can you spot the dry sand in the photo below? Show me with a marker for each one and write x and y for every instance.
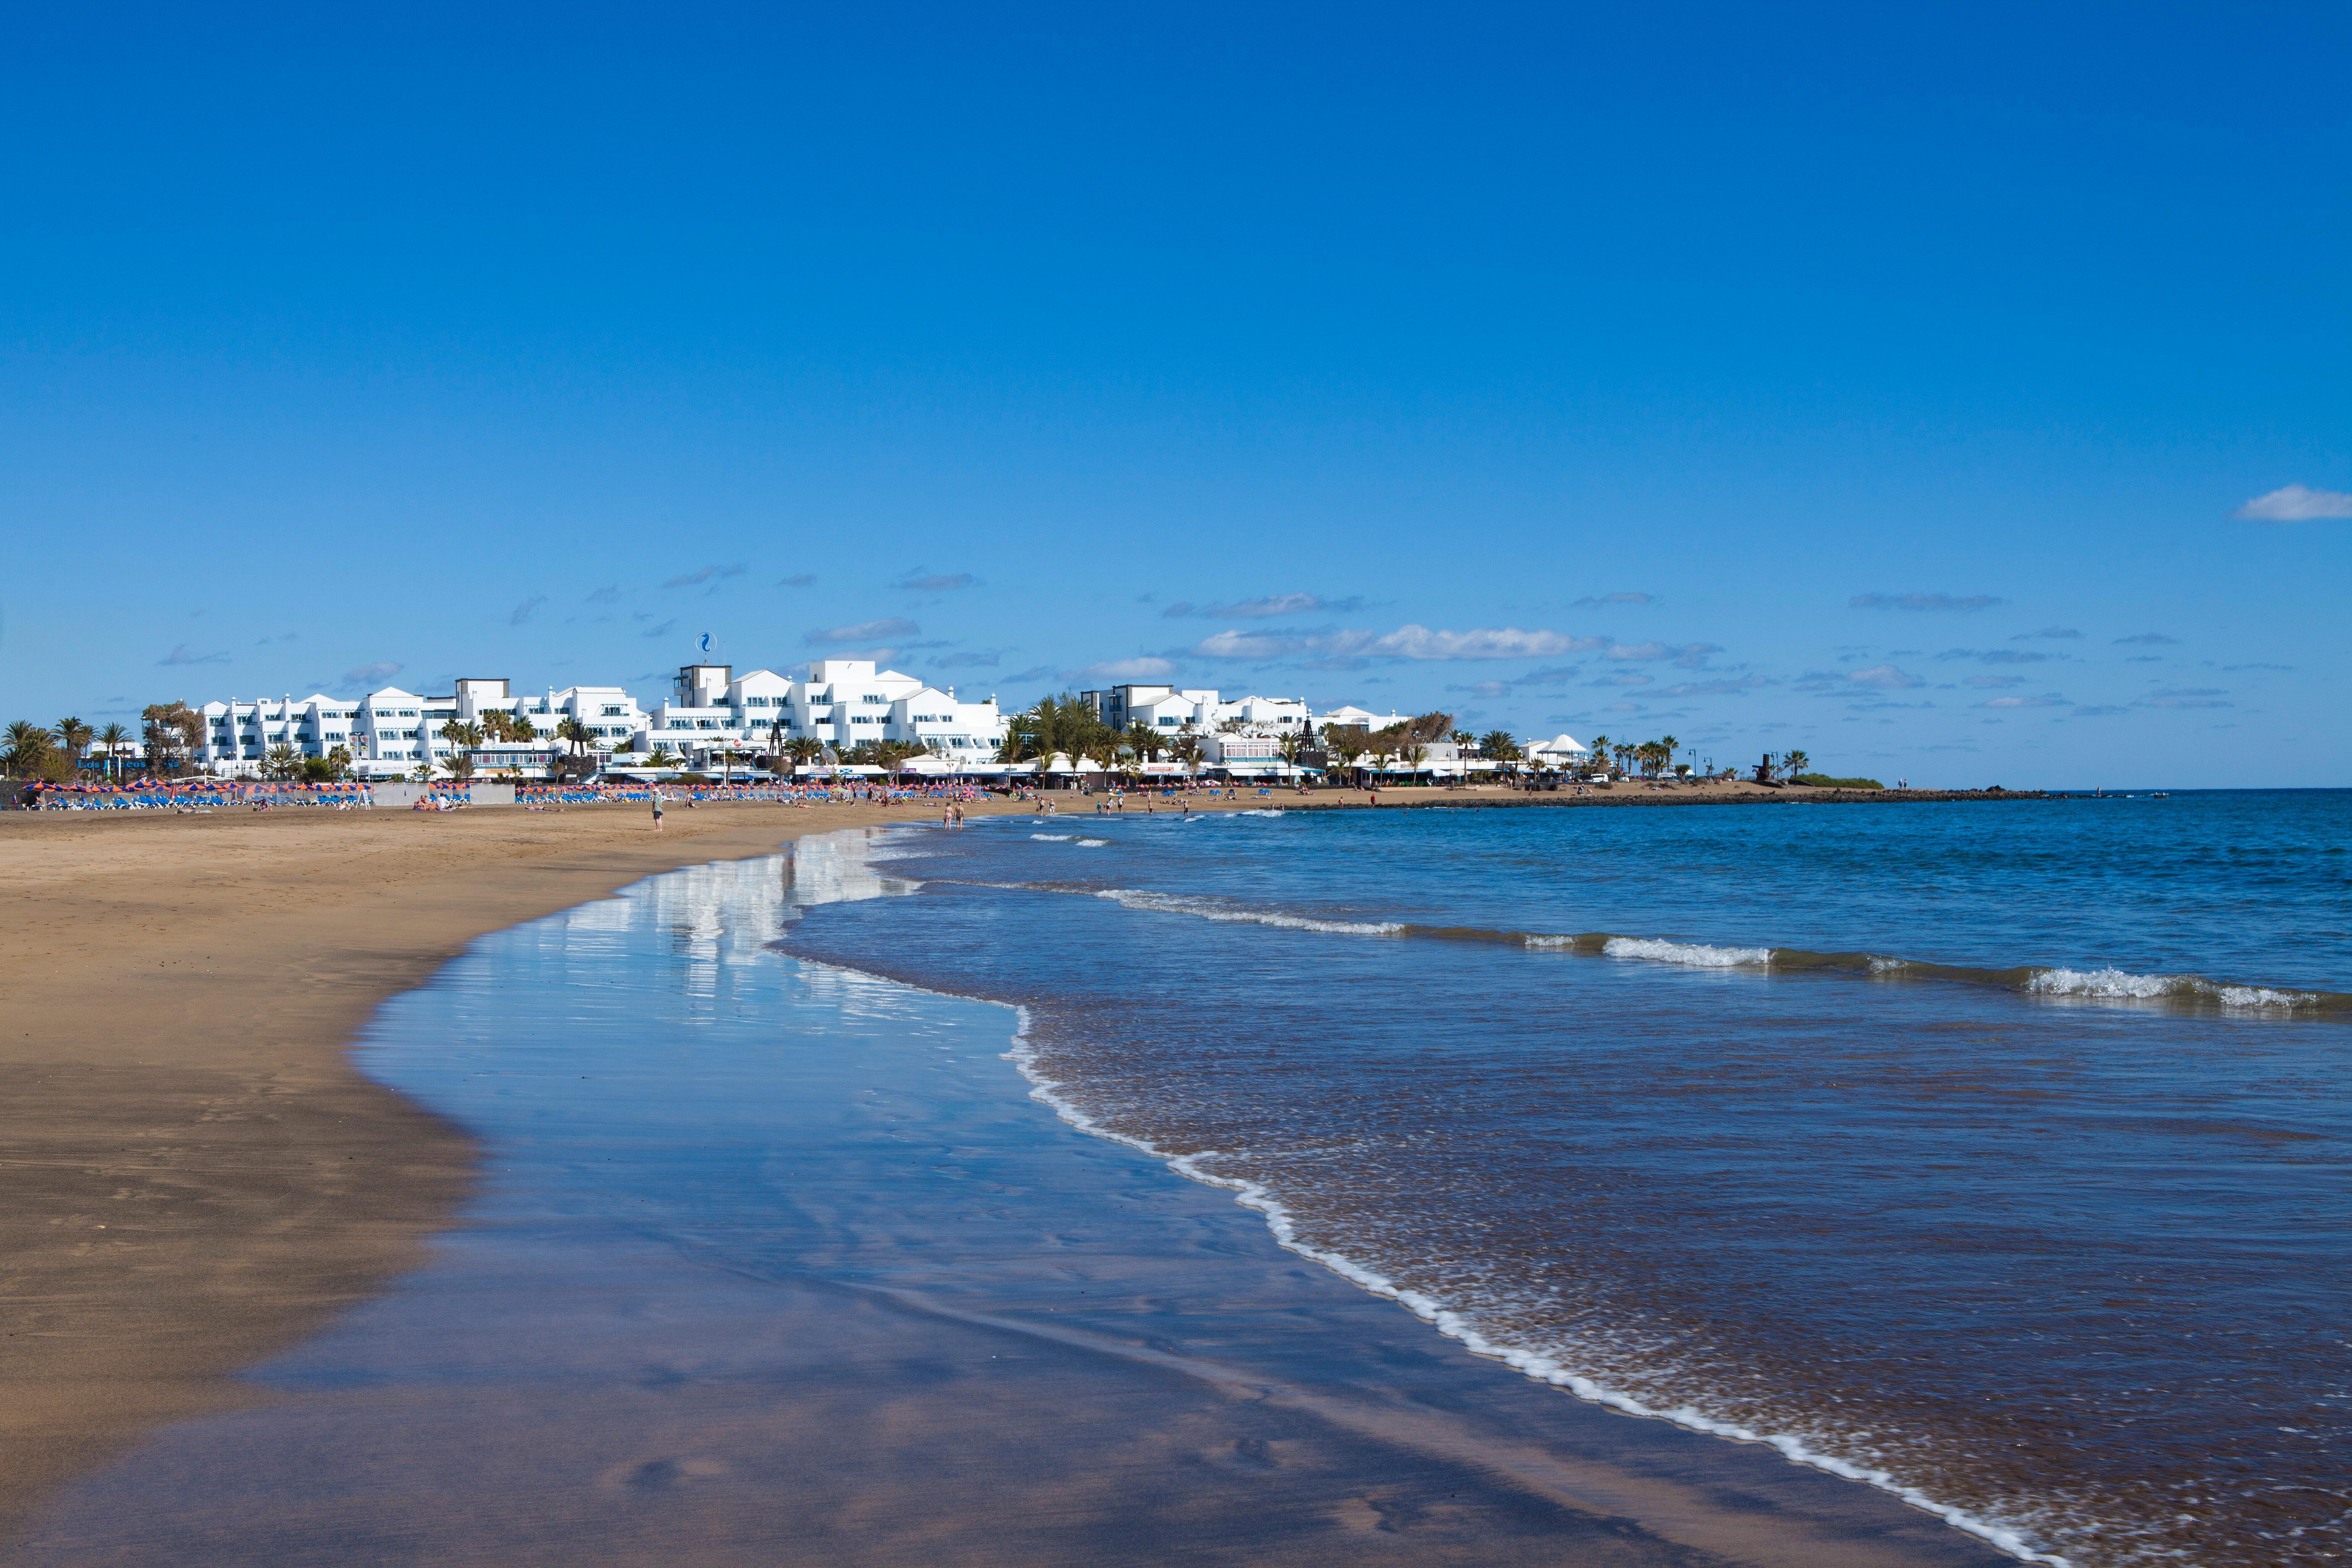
(196, 1175)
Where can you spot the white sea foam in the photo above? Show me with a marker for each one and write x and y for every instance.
(1458, 1326)
(1092, 843)
(1053, 838)
(1259, 811)
(1692, 954)
(2121, 985)
(1210, 909)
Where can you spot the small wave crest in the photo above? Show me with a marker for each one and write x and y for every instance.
(1211, 910)
(1690, 955)
(1053, 838)
(2119, 984)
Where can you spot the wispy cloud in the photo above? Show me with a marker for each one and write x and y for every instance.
(1923, 602)
(1034, 672)
(798, 580)
(967, 661)
(1128, 669)
(527, 608)
(1883, 677)
(2147, 639)
(2047, 700)
(2188, 697)
(1994, 680)
(2297, 503)
(1996, 655)
(1602, 600)
(180, 654)
(708, 575)
(891, 628)
(609, 593)
(1260, 608)
(1714, 687)
(2096, 711)
(2233, 669)
(1689, 655)
(368, 674)
(1407, 642)
(662, 630)
(921, 580)
(2053, 634)
(1623, 678)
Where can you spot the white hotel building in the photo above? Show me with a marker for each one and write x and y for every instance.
(392, 733)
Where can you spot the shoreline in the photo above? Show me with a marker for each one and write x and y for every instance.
(198, 1173)
(952, 1283)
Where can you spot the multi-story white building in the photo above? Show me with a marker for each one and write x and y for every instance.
(1166, 710)
(713, 716)
(841, 704)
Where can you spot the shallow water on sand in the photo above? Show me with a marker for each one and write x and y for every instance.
(778, 1261)
(1994, 1152)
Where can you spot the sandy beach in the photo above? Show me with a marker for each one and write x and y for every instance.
(197, 1175)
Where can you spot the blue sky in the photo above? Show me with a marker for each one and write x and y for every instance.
(1890, 382)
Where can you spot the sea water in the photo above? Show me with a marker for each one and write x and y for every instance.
(1993, 1154)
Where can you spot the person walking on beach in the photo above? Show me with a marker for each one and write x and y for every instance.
(657, 810)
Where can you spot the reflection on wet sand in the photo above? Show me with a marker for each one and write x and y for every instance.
(777, 1261)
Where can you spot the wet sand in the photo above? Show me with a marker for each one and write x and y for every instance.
(771, 1261)
(196, 1175)
(200, 1179)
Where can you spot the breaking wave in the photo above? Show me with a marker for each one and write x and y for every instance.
(1212, 910)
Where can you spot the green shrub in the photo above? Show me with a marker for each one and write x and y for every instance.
(1824, 781)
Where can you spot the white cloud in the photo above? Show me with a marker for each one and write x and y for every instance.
(1260, 608)
(1408, 641)
(1885, 677)
(368, 674)
(2297, 503)
(1507, 642)
(1923, 602)
(1689, 655)
(180, 654)
(891, 627)
(1129, 670)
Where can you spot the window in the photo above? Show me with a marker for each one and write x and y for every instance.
(871, 697)
(705, 724)
(862, 718)
(1168, 724)
(613, 713)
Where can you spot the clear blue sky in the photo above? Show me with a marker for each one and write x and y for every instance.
(1887, 381)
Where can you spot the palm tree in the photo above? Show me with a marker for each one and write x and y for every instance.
(339, 762)
(282, 763)
(803, 749)
(74, 736)
(521, 727)
(1797, 762)
(659, 757)
(28, 748)
(113, 737)
(1666, 745)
